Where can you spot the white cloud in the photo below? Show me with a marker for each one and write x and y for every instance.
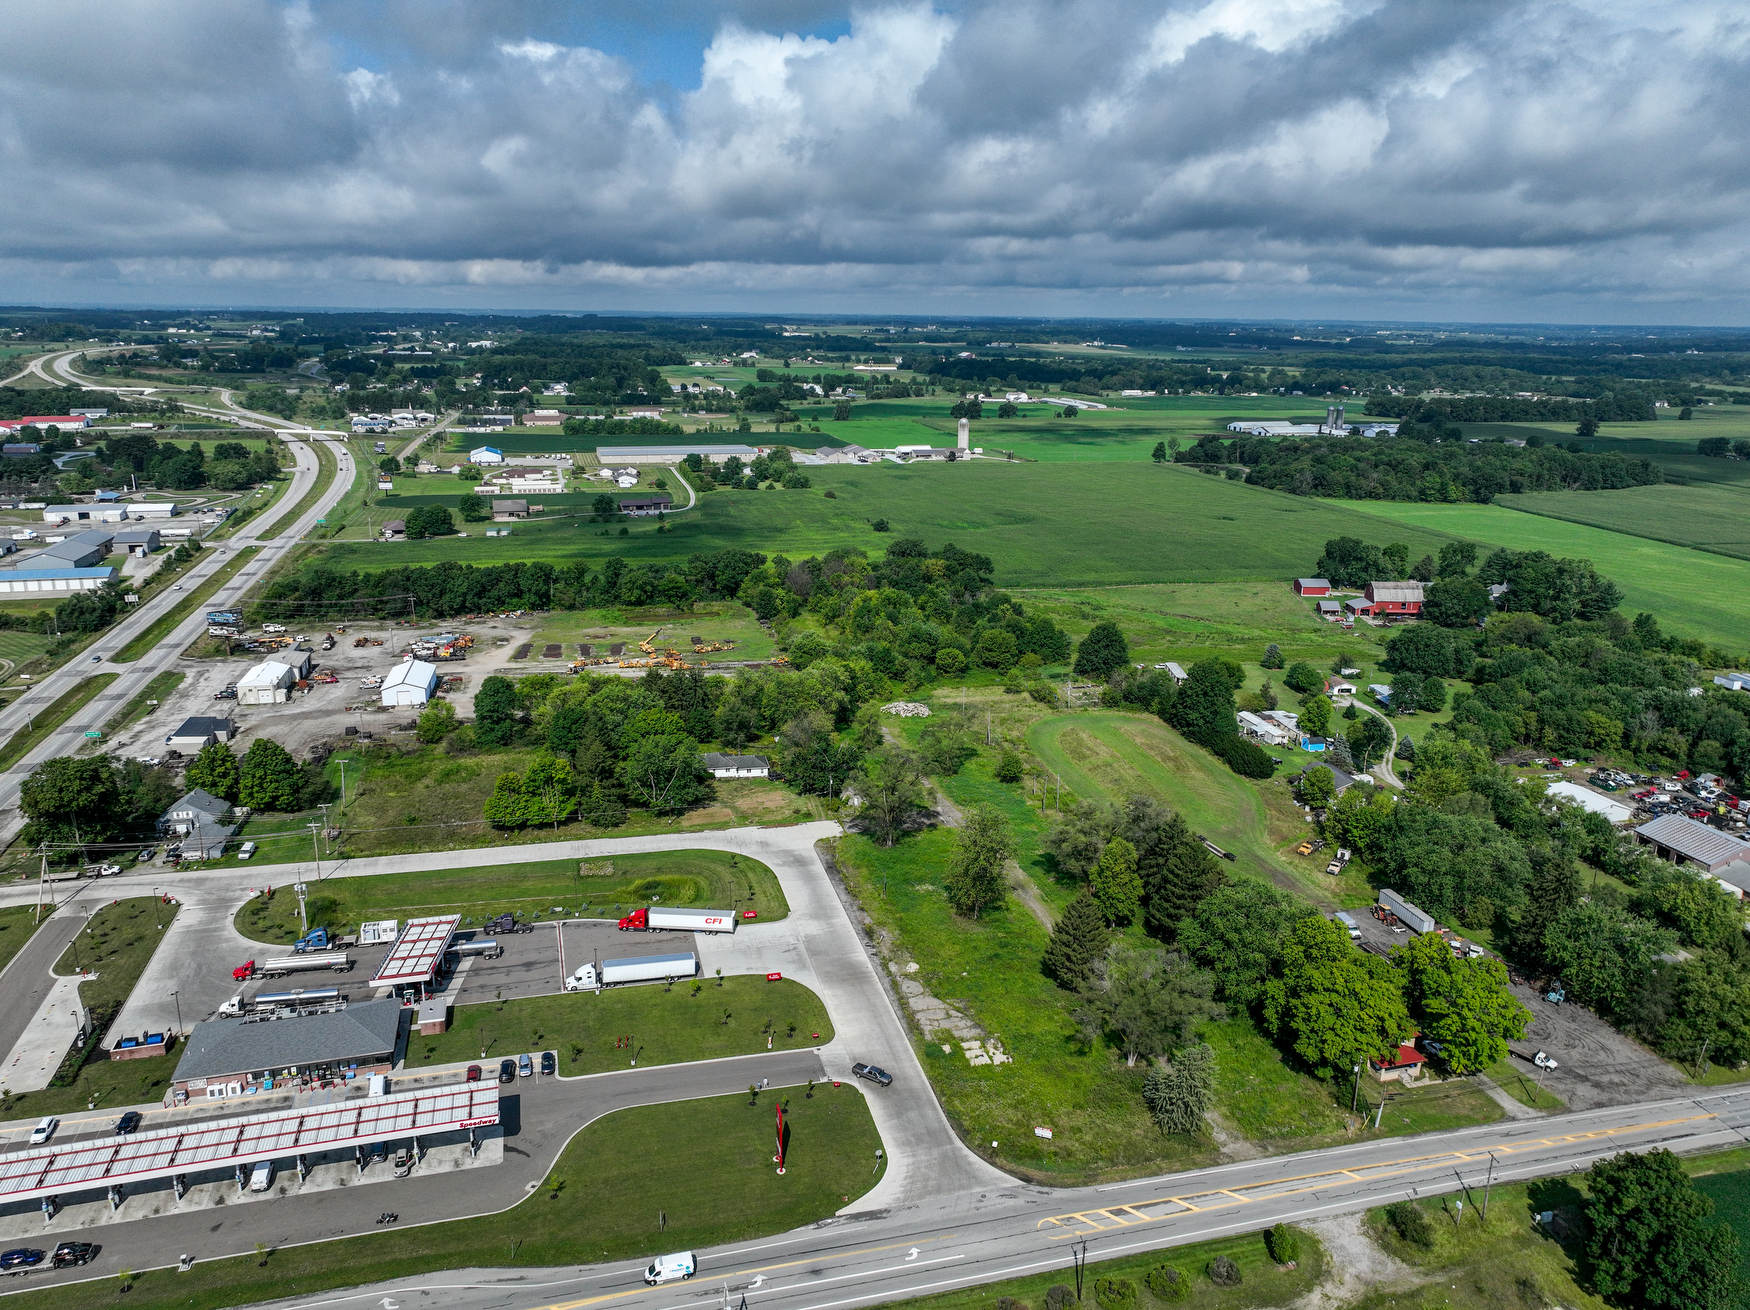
(1280, 156)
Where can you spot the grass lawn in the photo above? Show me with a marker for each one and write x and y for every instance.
(1706, 516)
(1265, 1282)
(1060, 525)
(1713, 604)
(424, 798)
(1517, 1083)
(704, 1019)
(17, 925)
(162, 625)
(713, 621)
(707, 879)
(705, 1166)
(48, 720)
(18, 648)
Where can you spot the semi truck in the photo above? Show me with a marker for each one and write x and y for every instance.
(320, 939)
(655, 918)
(639, 968)
(302, 998)
(339, 961)
(485, 946)
(1417, 921)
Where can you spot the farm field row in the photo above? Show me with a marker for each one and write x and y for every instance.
(1707, 516)
(1063, 525)
(1692, 593)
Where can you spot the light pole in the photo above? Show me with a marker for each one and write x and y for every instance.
(343, 782)
(177, 997)
(1355, 1098)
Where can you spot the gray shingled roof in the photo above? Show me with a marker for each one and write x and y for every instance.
(221, 1047)
(1694, 840)
(714, 760)
(202, 801)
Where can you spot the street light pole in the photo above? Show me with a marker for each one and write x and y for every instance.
(177, 997)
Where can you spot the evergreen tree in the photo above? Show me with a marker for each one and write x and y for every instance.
(1116, 885)
(215, 771)
(600, 809)
(1159, 454)
(1180, 1094)
(1103, 652)
(1079, 939)
(1186, 874)
(1272, 657)
(1555, 887)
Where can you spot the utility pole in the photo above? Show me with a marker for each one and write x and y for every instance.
(316, 850)
(42, 883)
(324, 808)
(1487, 1185)
(343, 782)
(1355, 1097)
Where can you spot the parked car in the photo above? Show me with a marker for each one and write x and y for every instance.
(44, 1130)
(128, 1123)
(247, 850)
(22, 1257)
(873, 1073)
(68, 1254)
(404, 1162)
(525, 1066)
(473, 1073)
(507, 1071)
(549, 1062)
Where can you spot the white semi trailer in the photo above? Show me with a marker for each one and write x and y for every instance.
(640, 968)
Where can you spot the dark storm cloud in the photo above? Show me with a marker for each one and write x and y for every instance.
(1268, 155)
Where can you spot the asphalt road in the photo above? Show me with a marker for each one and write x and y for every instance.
(877, 1256)
(26, 981)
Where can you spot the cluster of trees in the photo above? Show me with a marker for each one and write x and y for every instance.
(1441, 469)
(1723, 448)
(595, 373)
(232, 466)
(1203, 708)
(266, 778)
(1624, 404)
(1649, 1239)
(776, 467)
(620, 427)
(435, 521)
(998, 373)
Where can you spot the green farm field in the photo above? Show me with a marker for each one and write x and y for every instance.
(1045, 525)
(1693, 593)
(1711, 517)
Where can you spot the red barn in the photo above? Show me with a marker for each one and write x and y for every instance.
(1312, 587)
(1403, 599)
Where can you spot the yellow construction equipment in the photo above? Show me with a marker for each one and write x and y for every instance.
(648, 645)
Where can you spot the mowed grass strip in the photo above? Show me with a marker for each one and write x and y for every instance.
(44, 722)
(18, 923)
(1692, 593)
(141, 703)
(718, 880)
(695, 1019)
(638, 1182)
(161, 626)
(1062, 525)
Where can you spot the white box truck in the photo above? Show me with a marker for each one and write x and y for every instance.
(656, 919)
(1417, 921)
(641, 968)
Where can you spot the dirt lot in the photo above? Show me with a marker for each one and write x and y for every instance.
(1597, 1065)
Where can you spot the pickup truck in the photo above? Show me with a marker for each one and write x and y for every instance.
(1338, 861)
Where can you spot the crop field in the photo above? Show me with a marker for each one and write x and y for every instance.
(1045, 525)
(1707, 516)
(1693, 593)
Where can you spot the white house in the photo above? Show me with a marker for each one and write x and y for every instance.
(738, 766)
(1261, 729)
(486, 455)
(411, 683)
(268, 683)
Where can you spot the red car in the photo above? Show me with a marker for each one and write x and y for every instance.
(473, 1073)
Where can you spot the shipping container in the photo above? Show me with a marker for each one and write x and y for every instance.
(1415, 920)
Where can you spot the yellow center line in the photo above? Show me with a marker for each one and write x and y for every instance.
(1360, 1173)
(761, 1269)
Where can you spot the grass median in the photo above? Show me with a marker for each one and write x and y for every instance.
(142, 703)
(657, 1178)
(700, 1019)
(718, 880)
(167, 621)
(45, 722)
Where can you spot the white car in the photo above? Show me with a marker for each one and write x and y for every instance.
(44, 1130)
(247, 850)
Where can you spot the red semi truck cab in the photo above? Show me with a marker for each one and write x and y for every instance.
(637, 921)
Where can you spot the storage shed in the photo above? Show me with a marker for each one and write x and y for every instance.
(411, 683)
(198, 732)
(268, 683)
(1312, 586)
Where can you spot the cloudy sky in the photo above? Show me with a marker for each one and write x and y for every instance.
(1435, 159)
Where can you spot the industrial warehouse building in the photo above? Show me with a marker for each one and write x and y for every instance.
(410, 683)
(52, 581)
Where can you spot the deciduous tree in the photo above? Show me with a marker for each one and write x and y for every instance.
(1102, 652)
(1147, 1000)
(1649, 1238)
(269, 777)
(1462, 1004)
(71, 800)
(215, 771)
(1237, 933)
(890, 791)
(1332, 1004)
(977, 866)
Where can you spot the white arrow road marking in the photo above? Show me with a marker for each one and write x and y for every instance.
(912, 1254)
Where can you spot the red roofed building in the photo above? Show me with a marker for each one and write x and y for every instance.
(1404, 1067)
(66, 422)
(1395, 598)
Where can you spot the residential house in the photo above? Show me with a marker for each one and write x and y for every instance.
(737, 766)
(655, 502)
(197, 822)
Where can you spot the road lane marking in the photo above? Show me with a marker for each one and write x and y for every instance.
(1106, 1219)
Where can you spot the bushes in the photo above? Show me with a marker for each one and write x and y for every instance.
(1224, 1272)
(1283, 1243)
(1059, 1297)
(1246, 758)
(1114, 1293)
(1411, 1222)
(1168, 1283)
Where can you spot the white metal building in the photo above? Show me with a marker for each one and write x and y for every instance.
(411, 683)
(268, 683)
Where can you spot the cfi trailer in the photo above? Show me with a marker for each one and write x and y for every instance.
(655, 919)
(641, 968)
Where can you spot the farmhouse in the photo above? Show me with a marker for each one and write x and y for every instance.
(737, 766)
(1312, 586)
(196, 820)
(1395, 598)
(654, 502)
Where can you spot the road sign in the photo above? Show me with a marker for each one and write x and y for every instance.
(93, 732)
